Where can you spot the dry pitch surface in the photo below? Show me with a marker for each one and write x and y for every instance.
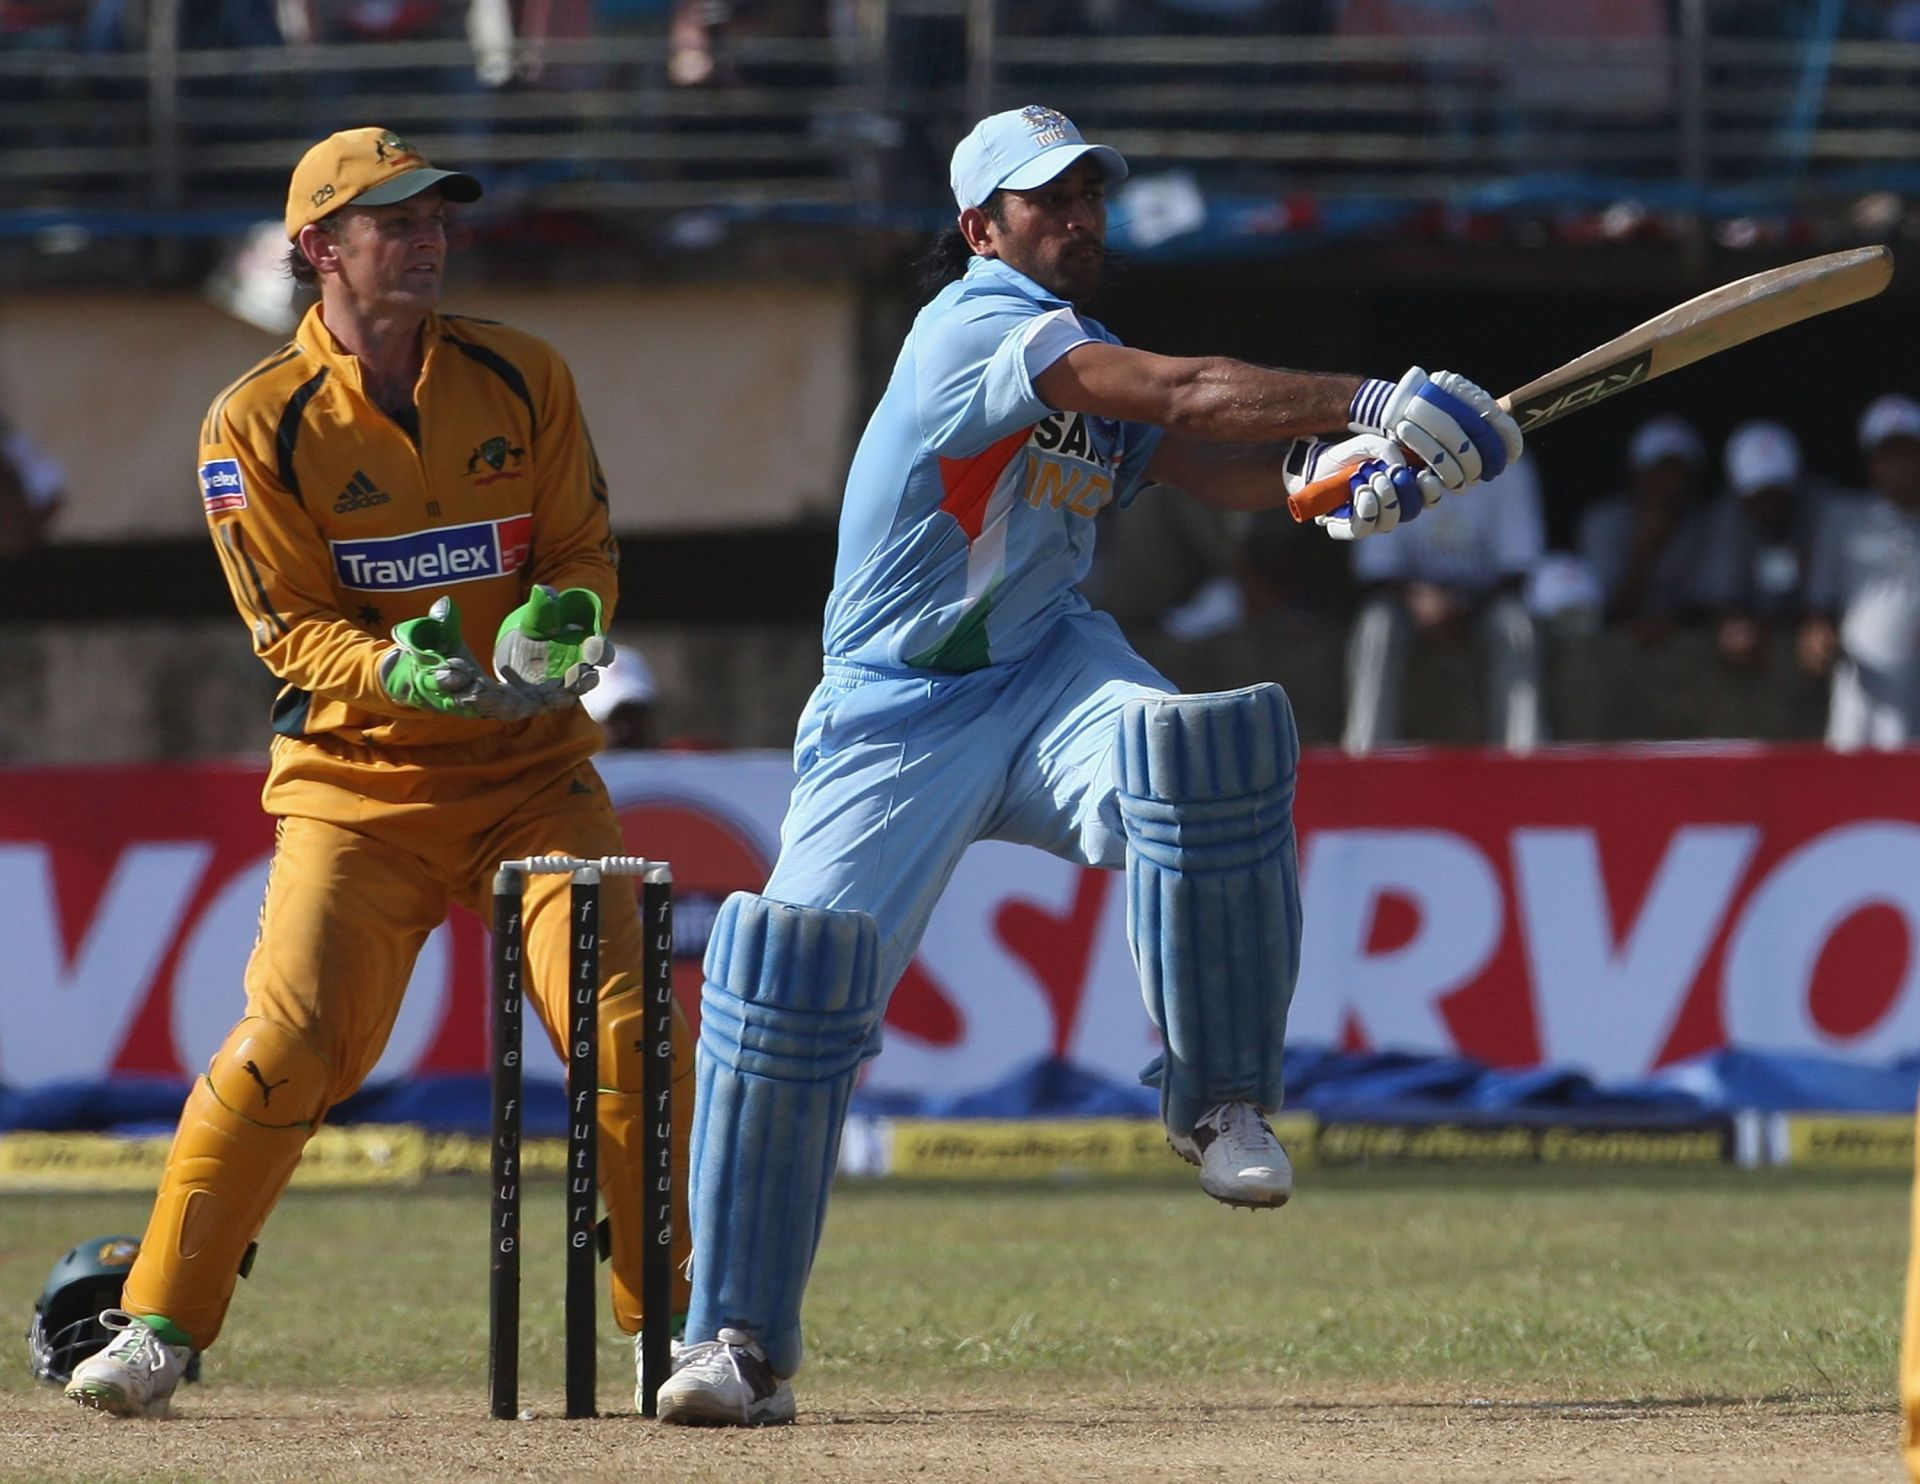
(227, 1433)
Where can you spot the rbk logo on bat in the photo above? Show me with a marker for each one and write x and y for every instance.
(391, 564)
(1596, 388)
(221, 487)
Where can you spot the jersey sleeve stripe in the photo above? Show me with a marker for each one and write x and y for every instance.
(235, 545)
(290, 710)
(210, 431)
(503, 368)
(598, 485)
(235, 578)
(288, 433)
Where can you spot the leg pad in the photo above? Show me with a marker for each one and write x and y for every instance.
(1213, 906)
(787, 1014)
(240, 1136)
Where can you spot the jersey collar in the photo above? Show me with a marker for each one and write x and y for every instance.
(991, 273)
(318, 341)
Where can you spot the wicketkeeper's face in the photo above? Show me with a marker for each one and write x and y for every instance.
(394, 257)
(1056, 233)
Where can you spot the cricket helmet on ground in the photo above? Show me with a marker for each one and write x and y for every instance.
(66, 1326)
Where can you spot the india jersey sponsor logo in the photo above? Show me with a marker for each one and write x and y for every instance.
(1069, 463)
(488, 548)
(221, 487)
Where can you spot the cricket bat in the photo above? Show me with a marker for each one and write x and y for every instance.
(1715, 321)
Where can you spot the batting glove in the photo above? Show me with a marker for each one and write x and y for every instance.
(551, 649)
(1385, 491)
(431, 667)
(1445, 421)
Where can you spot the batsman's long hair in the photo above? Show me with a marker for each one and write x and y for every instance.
(946, 260)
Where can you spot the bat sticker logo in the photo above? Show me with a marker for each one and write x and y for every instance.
(1597, 388)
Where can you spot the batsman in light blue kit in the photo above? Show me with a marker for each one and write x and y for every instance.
(970, 693)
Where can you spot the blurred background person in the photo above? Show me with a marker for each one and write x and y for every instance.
(1759, 543)
(1172, 565)
(1644, 544)
(1462, 564)
(624, 703)
(32, 486)
(1863, 595)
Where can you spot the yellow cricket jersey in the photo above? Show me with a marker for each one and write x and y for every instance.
(333, 525)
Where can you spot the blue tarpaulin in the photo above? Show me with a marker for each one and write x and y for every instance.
(1329, 1083)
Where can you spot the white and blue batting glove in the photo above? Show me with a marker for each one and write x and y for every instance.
(1385, 491)
(1444, 420)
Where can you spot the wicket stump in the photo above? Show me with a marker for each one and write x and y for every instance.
(582, 1166)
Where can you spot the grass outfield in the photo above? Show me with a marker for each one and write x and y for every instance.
(1668, 1294)
(1695, 1284)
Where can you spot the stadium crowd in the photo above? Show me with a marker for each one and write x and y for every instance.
(1752, 544)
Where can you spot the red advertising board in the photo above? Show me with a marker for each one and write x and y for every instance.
(1614, 911)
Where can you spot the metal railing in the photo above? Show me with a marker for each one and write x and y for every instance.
(167, 140)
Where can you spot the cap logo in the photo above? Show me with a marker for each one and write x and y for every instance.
(119, 1253)
(390, 141)
(1049, 125)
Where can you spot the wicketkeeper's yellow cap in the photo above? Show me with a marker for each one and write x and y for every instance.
(370, 167)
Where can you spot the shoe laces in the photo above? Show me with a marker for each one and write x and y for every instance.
(136, 1340)
(1241, 1123)
(732, 1356)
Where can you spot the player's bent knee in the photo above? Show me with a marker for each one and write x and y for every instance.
(1205, 788)
(623, 1034)
(790, 991)
(1220, 747)
(271, 1075)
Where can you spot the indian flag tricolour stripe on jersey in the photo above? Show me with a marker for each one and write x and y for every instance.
(978, 497)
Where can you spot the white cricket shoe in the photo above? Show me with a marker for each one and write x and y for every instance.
(135, 1375)
(640, 1367)
(725, 1383)
(1241, 1163)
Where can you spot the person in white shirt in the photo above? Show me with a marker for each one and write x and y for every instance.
(1760, 537)
(1863, 595)
(1465, 563)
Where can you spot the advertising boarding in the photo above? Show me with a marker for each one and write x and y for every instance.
(1615, 912)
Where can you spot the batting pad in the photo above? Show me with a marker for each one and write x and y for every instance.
(786, 1015)
(1205, 788)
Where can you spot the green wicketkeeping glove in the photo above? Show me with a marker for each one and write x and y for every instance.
(552, 645)
(431, 667)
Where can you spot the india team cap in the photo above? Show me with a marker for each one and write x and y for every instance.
(1665, 437)
(1761, 455)
(365, 167)
(1020, 149)
(1891, 416)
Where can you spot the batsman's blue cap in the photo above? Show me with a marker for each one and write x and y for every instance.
(1020, 149)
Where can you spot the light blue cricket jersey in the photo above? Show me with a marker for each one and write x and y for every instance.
(968, 518)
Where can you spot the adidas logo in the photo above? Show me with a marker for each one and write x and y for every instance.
(360, 494)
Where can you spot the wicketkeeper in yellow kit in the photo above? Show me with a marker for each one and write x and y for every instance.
(389, 480)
